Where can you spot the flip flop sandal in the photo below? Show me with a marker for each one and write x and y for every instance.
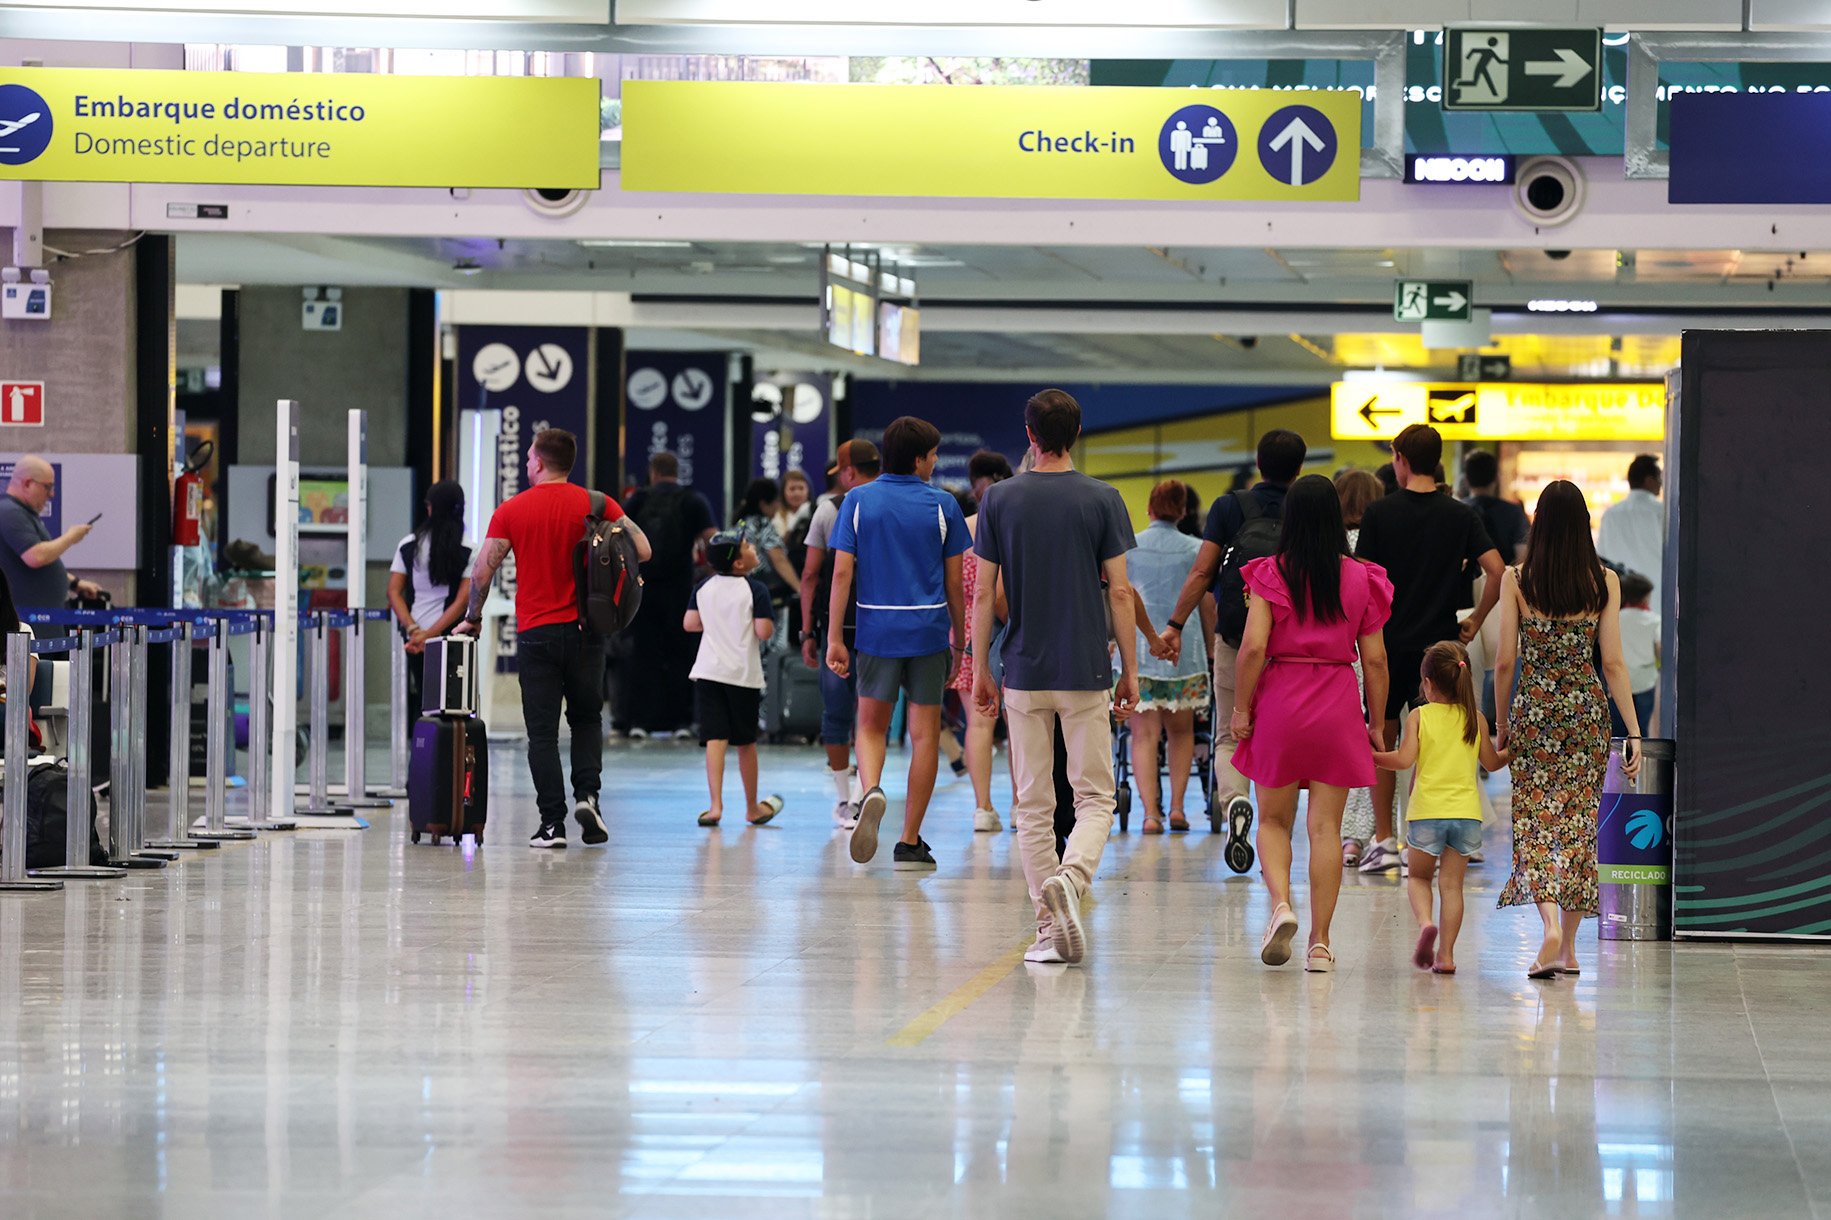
(1540, 971)
(707, 819)
(1573, 971)
(1443, 969)
(1179, 823)
(1422, 956)
(1152, 826)
(773, 806)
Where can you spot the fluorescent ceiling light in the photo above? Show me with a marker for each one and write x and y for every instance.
(1553, 306)
(632, 244)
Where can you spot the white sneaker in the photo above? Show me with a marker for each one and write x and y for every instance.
(1065, 914)
(1381, 857)
(845, 814)
(987, 819)
(1044, 951)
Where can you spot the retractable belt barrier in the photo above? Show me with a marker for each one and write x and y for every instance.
(126, 638)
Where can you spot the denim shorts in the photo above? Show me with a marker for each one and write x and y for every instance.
(1432, 835)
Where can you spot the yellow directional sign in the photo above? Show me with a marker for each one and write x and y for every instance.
(990, 141)
(297, 129)
(1504, 411)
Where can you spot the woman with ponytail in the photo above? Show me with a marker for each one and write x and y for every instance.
(429, 581)
(1446, 739)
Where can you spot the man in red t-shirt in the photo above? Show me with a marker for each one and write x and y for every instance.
(560, 661)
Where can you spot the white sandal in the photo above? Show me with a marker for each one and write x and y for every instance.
(1275, 950)
(1323, 964)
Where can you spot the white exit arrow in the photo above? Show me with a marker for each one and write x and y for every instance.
(1297, 133)
(1569, 67)
(1453, 302)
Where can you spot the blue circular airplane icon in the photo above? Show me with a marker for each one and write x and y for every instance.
(25, 125)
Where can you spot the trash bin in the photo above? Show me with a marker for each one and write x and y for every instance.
(1634, 844)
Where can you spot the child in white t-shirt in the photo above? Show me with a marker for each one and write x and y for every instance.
(732, 614)
(1640, 649)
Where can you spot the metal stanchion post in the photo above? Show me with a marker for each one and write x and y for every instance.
(12, 804)
(356, 718)
(79, 793)
(400, 733)
(178, 757)
(318, 801)
(141, 657)
(125, 849)
(216, 739)
(260, 729)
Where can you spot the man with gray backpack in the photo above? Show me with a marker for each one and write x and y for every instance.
(1242, 526)
(559, 599)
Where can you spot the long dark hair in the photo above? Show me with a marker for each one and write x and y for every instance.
(441, 534)
(9, 612)
(1562, 577)
(1311, 545)
(759, 493)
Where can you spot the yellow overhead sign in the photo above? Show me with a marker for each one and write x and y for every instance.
(297, 129)
(990, 141)
(1500, 411)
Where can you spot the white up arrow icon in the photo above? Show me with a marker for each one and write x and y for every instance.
(1296, 133)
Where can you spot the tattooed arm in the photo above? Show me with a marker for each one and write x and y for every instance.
(482, 575)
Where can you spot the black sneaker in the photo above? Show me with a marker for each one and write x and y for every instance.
(550, 834)
(916, 858)
(591, 822)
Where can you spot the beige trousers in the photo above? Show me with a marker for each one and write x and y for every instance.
(1086, 717)
(1228, 783)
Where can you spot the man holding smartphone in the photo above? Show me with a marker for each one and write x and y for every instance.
(32, 560)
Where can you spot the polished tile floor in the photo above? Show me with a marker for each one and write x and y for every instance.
(744, 1024)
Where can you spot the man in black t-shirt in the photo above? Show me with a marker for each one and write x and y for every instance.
(1422, 538)
(657, 695)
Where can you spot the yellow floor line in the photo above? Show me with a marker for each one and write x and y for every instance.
(959, 1000)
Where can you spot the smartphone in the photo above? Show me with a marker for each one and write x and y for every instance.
(95, 518)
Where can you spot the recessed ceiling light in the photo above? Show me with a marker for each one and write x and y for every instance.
(631, 243)
(788, 260)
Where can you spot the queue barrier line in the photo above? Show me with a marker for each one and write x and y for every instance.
(125, 638)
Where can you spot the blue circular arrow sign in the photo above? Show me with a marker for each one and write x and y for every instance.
(1297, 145)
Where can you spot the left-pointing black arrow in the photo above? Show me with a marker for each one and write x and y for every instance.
(1371, 411)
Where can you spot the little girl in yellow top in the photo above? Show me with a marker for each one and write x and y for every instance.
(1446, 739)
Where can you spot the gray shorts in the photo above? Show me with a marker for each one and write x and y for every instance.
(925, 678)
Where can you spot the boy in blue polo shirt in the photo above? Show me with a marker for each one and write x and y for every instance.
(901, 539)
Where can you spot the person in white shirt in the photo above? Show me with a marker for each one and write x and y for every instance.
(1640, 649)
(731, 614)
(429, 581)
(1633, 531)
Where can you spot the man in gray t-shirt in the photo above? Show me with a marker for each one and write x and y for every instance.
(31, 559)
(1054, 534)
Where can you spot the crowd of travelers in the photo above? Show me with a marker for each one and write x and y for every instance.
(1329, 634)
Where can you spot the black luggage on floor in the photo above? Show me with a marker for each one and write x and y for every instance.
(47, 819)
(448, 778)
(791, 697)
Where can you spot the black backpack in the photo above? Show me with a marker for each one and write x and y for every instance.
(1257, 538)
(608, 572)
(659, 513)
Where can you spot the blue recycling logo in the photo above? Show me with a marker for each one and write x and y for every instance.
(1646, 829)
(25, 125)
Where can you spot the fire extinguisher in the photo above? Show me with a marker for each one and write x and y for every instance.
(187, 498)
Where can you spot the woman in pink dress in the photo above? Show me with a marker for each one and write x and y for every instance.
(1298, 713)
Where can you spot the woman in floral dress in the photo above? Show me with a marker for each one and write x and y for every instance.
(1556, 608)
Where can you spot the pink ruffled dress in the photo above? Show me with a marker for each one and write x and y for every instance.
(1308, 718)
